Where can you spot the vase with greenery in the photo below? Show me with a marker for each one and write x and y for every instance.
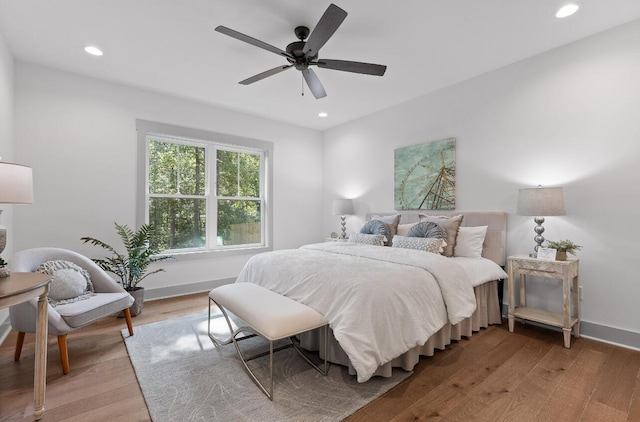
(563, 247)
(133, 266)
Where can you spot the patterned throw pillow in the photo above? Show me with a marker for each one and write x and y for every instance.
(69, 282)
(450, 224)
(426, 244)
(369, 239)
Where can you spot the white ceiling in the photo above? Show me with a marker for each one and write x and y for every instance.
(170, 46)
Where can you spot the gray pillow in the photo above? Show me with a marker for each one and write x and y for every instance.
(392, 225)
(375, 227)
(69, 282)
(450, 224)
(427, 229)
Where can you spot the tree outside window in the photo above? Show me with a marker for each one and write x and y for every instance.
(180, 207)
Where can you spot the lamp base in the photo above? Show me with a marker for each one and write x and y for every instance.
(539, 230)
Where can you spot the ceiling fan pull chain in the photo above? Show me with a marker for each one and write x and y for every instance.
(302, 83)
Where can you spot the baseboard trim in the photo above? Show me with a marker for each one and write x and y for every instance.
(611, 335)
(184, 289)
(602, 333)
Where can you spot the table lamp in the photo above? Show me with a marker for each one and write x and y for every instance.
(540, 202)
(16, 187)
(343, 207)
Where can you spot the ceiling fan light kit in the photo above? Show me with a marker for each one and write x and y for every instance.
(302, 54)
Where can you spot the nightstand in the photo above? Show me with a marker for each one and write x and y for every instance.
(567, 271)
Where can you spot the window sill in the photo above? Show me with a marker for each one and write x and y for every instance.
(214, 253)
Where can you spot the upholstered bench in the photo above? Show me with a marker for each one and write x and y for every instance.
(268, 315)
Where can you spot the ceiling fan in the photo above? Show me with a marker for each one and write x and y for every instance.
(302, 54)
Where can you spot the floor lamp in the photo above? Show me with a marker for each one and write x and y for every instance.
(540, 202)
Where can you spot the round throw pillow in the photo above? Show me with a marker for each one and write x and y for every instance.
(427, 229)
(375, 227)
(69, 281)
(66, 283)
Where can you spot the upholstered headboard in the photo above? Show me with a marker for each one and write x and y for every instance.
(494, 247)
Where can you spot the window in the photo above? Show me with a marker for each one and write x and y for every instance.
(204, 191)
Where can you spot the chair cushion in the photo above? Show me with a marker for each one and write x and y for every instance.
(97, 306)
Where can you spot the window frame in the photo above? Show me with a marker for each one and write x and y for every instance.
(212, 141)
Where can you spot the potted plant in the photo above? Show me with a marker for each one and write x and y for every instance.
(4, 271)
(563, 247)
(131, 267)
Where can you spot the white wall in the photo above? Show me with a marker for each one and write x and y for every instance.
(79, 135)
(570, 117)
(6, 143)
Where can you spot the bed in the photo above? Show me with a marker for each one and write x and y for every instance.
(387, 306)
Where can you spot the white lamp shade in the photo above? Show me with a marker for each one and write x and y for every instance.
(16, 184)
(541, 202)
(342, 206)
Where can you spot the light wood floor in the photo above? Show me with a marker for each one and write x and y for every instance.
(494, 376)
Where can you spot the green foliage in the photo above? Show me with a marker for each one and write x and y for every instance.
(180, 222)
(564, 246)
(3, 263)
(130, 268)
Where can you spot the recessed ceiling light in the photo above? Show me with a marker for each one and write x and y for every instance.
(94, 51)
(322, 114)
(567, 10)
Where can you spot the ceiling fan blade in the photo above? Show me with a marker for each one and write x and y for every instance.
(265, 74)
(327, 25)
(355, 67)
(242, 37)
(314, 83)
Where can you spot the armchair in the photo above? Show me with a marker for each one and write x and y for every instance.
(109, 298)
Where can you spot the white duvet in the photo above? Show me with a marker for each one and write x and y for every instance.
(380, 302)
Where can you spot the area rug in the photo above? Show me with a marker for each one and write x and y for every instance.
(184, 377)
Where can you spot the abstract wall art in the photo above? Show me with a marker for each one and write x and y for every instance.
(425, 176)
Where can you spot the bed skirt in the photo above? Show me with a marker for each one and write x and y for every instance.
(487, 313)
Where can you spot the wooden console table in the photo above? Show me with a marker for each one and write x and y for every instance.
(18, 288)
(567, 271)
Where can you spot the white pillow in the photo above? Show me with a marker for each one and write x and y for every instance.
(66, 283)
(469, 242)
(69, 282)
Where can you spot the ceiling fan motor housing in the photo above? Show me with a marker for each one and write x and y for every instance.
(295, 49)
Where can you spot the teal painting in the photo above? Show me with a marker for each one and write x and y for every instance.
(425, 176)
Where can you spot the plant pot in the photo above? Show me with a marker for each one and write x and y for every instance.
(138, 296)
(561, 256)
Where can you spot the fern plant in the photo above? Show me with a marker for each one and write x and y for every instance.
(131, 267)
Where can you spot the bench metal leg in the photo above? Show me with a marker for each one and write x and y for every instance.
(232, 339)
